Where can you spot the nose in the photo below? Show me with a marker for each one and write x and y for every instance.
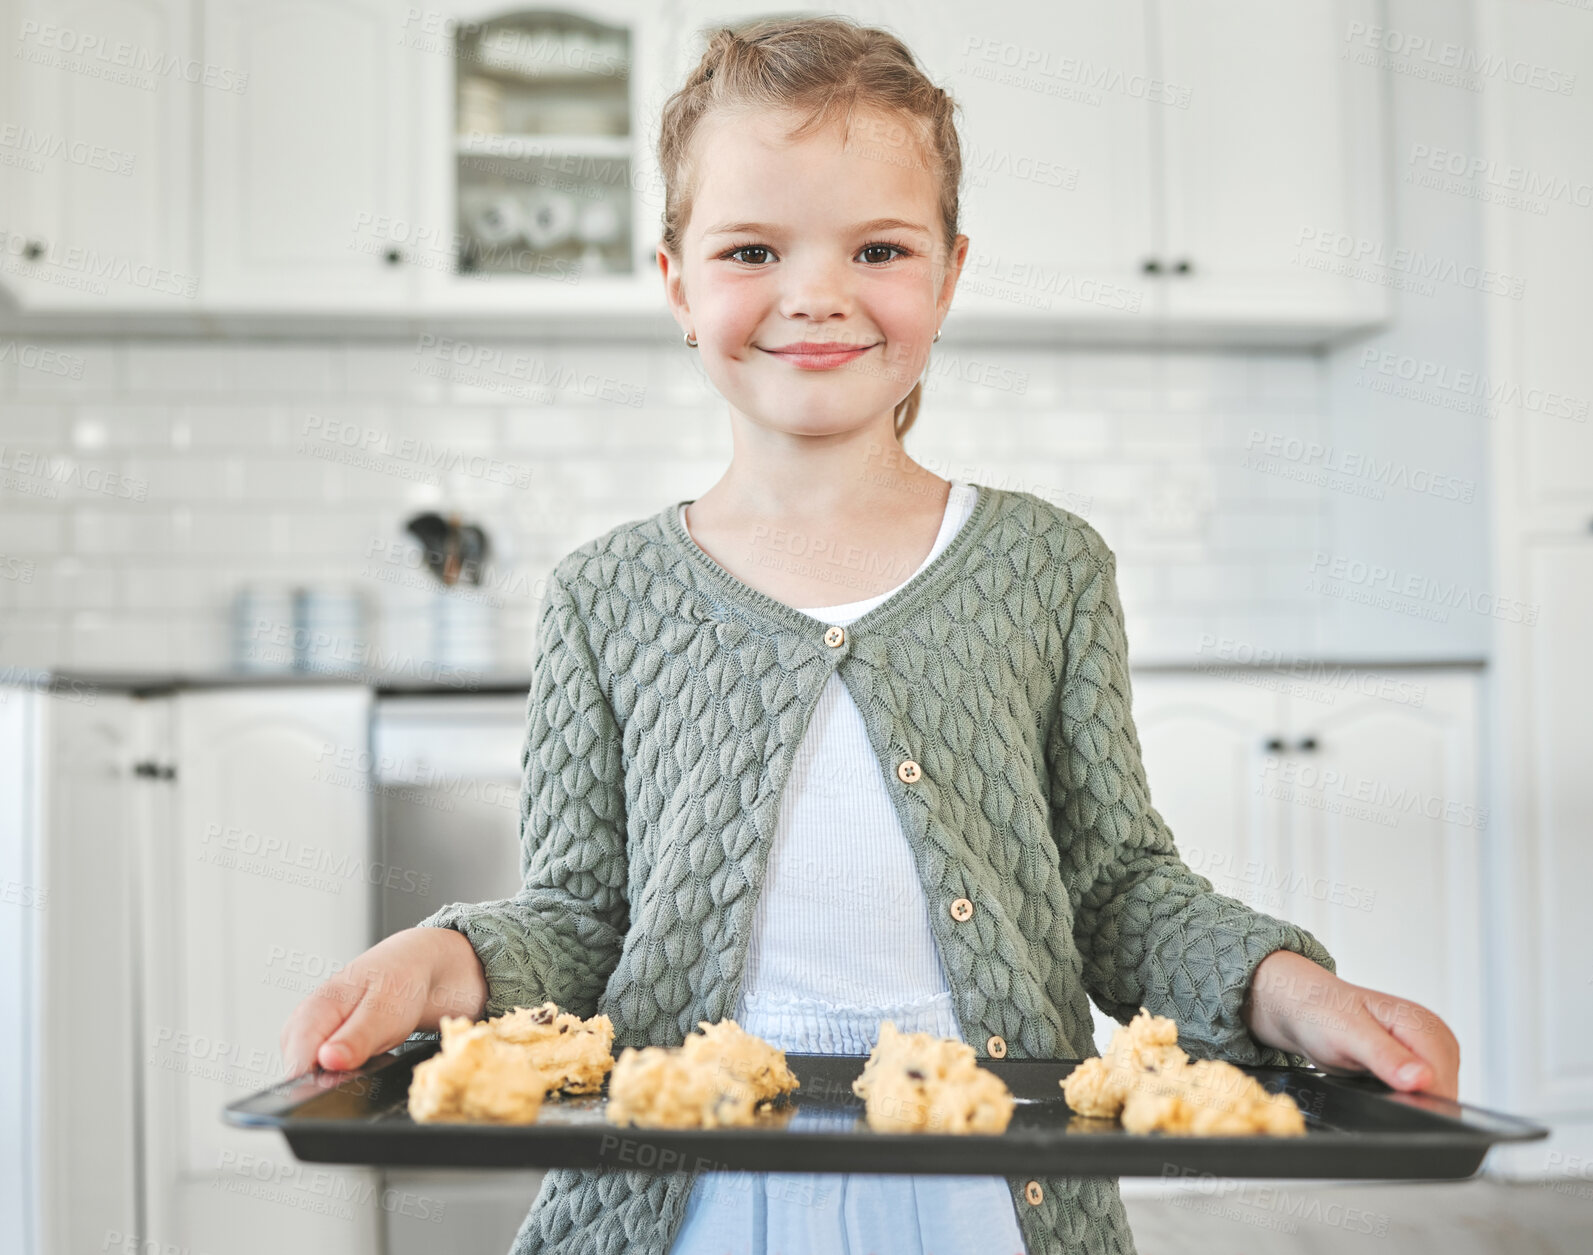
(817, 287)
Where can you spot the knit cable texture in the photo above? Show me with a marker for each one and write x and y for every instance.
(666, 705)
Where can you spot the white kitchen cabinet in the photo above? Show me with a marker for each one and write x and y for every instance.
(1277, 151)
(259, 879)
(303, 167)
(1120, 179)
(1347, 804)
(1061, 179)
(69, 982)
(1388, 826)
(99, 102)
(525, 169)
(1122, 173)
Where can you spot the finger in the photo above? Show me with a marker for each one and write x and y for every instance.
(314, 1020)
(1384, 1055)
(1426, 1036)
(367, 1030)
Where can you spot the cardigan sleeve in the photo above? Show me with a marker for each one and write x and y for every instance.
(559, 937)
(1151, 931)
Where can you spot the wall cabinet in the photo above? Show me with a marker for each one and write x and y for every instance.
(310, 154)
(1348, 805)
(1174, 165)
(96, 191)
(1120, 180)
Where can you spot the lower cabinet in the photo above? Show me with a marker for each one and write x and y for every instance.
(257, 881)
(1344, 800)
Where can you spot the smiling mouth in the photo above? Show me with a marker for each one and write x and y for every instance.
(821, 356)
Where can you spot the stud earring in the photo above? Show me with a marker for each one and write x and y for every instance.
(691, 340)
(936, 335)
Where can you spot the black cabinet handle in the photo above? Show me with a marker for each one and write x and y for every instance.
(394, 256)
(1307, 744)
(1274, 745)
(33, 250)
(1151, 266)
(1182, 266)
(154, 771)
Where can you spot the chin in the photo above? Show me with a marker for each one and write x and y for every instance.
(815, 421)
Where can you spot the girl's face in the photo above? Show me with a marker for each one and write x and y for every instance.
(793, 244)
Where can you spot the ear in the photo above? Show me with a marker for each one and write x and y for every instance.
(674, 288)
(954, 265)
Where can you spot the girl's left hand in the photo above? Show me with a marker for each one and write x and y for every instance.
(1300, 1006)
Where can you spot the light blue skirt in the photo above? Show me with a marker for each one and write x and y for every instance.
(826, 1213)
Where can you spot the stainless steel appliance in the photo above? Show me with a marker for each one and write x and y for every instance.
(447, 767)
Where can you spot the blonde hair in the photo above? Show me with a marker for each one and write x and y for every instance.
(831, 66)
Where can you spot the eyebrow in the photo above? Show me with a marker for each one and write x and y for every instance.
(765, 228)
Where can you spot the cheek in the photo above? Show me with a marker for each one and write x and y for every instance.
(731, 307)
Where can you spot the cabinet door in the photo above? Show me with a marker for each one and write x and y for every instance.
(100, 110)
(1278, 145)
(1553, 868)
(261, 883)
(68, 983)
(1057, 105)
(1203, 740)
(1388, 821)
(307, 167)
(519, 167)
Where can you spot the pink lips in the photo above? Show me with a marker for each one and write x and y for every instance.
(825, 355)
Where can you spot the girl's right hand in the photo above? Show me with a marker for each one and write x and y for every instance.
(401, 984)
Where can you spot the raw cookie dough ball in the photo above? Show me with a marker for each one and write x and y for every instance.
(1100, 1086)
(476, 1076)
(1147, 1079)
(917, 1082)
(1213, 1099)
(720, 1076)
(575, 1053)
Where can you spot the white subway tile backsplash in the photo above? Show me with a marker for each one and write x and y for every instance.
(237, 426)
(157, 640)
(1258, 532)
(1068, 434)
(175, 368)
(31, 528)
(33, 424)
(1199, 380)
(120, 426)
(275, 369)
(389, 370)
(293, 461)
(90, 369)
(98, 531)
(1286, 379)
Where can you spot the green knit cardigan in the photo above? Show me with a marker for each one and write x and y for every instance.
(665, 709)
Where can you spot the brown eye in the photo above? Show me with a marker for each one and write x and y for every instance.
(886, 248)
(747, 248)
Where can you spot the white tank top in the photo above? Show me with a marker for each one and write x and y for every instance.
(841, 935)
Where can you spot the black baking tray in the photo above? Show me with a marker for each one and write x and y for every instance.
(1356, 1128)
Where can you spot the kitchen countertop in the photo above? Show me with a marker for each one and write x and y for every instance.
(153, 682)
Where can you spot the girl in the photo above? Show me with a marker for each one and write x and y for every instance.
(924, 803)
